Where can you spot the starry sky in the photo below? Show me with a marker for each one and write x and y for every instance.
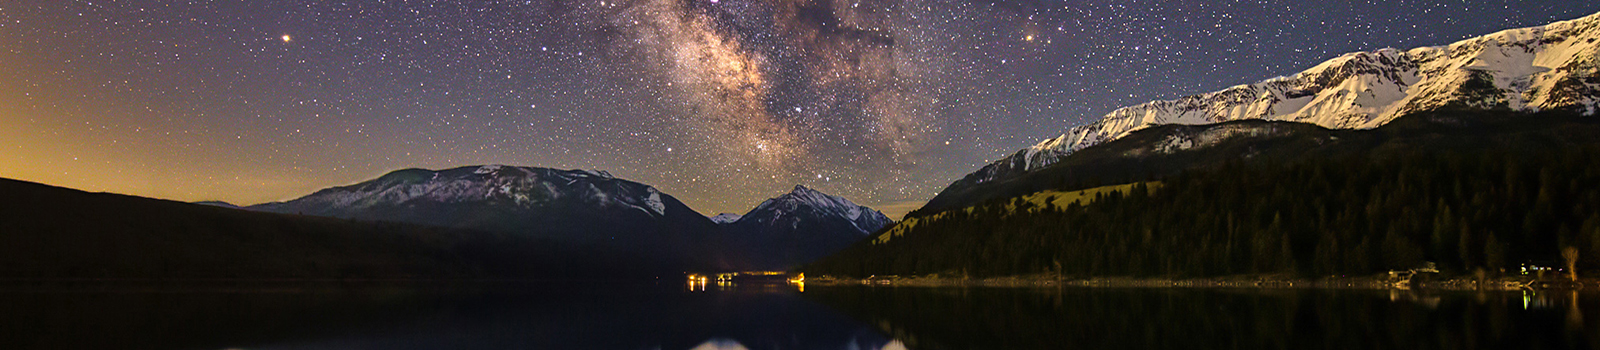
(721, 103)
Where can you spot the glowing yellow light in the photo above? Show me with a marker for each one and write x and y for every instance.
(799, 282)
(1029, 37)
(287, 38)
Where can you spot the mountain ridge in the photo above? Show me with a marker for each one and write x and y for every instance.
(592, 207)
(1310, 202)
(57, 233)
(492, 187)
(1526, 70)
(800, 226)
(863, 217)
(577, 208)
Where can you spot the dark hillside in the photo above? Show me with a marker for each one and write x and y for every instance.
(1167, 150)
(52, 233)
(1468, 192)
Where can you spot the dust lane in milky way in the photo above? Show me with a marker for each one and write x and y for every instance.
(792, 87)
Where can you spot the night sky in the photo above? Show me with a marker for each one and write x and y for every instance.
(721, 103)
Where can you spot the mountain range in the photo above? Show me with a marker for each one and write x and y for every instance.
(1475, 156)
(593, 208)
(1551, 68)
(1469, 191)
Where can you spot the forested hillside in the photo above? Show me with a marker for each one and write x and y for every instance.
(1467, 194)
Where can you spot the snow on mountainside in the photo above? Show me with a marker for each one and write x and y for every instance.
(1553, 67)
(816, 205)
(798, 227)
(596, 210)
(524, 187)
(583, 206)
(726, 218)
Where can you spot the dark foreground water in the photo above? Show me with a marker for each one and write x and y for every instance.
(671, 316)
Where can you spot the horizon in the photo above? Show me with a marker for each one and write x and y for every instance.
(894, 211)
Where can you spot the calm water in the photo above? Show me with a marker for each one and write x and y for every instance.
(671, 316)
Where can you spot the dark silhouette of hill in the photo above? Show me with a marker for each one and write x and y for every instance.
(53, 233)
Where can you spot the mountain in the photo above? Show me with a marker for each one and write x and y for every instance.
(1549, 68)
(1469, 191)
(54, 233)
(576, 207)
(1156, 152)
(799, 226)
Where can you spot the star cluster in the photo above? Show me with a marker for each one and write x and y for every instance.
(720, 102)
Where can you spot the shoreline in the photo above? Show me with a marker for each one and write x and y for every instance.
(1229, 282)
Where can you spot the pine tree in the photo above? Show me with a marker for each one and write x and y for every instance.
(1494, 253)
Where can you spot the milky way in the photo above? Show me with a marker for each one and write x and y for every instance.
(722, 103)
(788, 87)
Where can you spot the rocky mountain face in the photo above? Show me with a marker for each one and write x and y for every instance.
(581, 207)
(799, 226)
(1539, 69)
(1155, 152)
(725, 218)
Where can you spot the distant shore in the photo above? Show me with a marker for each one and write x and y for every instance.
(1248, 282)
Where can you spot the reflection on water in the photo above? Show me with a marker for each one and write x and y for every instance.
(1222, 319)
(705, 315)
(751, 316)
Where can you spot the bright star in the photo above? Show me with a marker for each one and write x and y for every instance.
(287, 38)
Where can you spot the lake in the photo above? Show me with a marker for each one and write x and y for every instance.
(673, 315)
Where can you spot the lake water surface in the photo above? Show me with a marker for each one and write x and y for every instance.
(768, 316)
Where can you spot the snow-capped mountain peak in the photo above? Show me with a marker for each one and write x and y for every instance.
(524, 187)
(488, 169)
(802, 196)
(1551, 67)
(809, 202)
(801, 225)
(726, 218)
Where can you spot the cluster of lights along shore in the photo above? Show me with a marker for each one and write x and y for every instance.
(723, 280)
